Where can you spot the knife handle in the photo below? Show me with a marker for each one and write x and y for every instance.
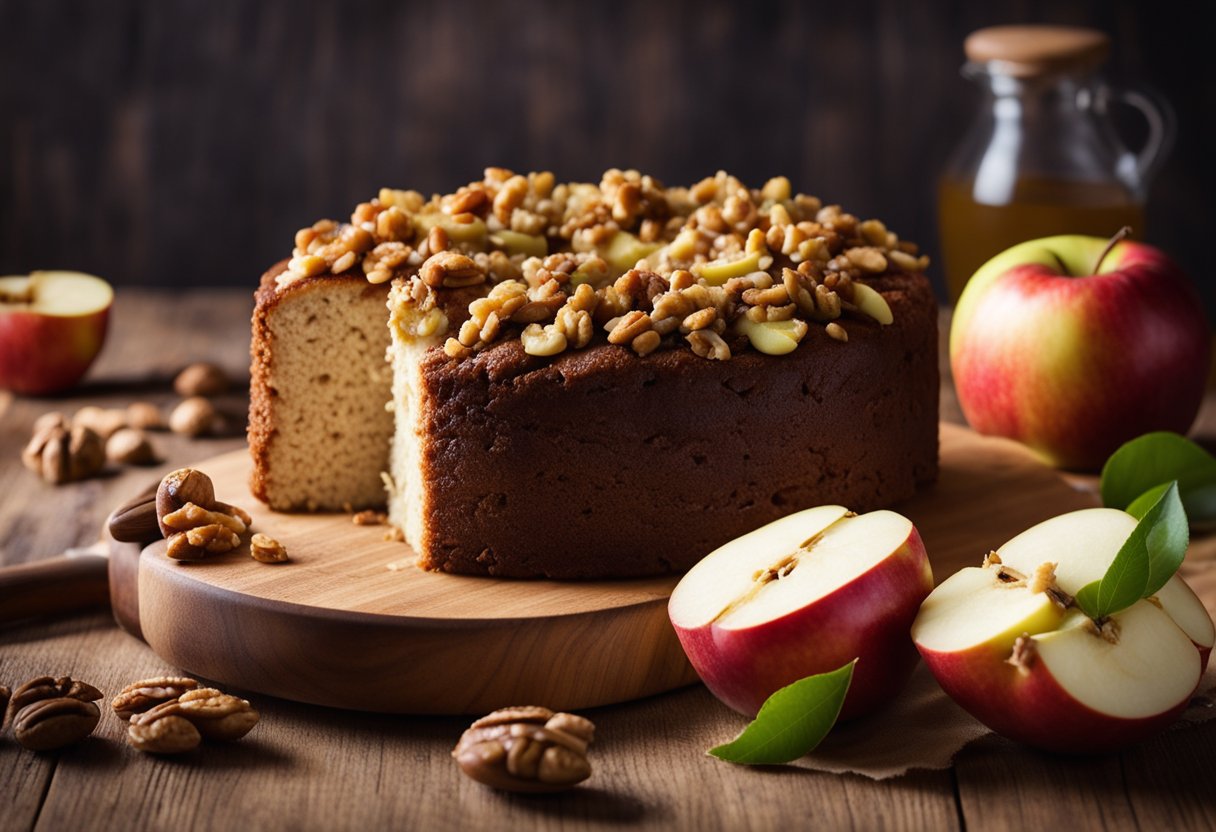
(53, 586)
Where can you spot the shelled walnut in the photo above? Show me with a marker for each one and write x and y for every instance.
(526, 749)
(195, 524)
(59, 454)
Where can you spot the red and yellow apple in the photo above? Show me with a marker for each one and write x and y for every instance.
(803, 595)
(52, 326)
(1010, 649)
(1074, 357)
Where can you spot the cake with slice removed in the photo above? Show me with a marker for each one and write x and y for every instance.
(594, 381)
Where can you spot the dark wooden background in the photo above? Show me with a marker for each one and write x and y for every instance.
(174, 143)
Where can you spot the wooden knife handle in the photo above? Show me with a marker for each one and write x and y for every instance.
(52, 586)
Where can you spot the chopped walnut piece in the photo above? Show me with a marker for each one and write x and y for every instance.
(265, 549)
(625, 244)
(370, 517)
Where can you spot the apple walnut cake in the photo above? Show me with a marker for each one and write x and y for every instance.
(593, 380)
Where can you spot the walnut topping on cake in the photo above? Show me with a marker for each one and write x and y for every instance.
(717, 267)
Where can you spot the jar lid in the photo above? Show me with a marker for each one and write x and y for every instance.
(1026, 51)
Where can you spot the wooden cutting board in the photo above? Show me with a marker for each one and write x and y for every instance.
(350, 622)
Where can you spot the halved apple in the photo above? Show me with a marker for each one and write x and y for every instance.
(52, 325)
(1005, 642)
(805, 595)
(1086, 542)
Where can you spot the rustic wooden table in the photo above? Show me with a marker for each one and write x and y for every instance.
(308, 767)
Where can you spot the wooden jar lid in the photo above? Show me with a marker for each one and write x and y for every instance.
(1025, 51)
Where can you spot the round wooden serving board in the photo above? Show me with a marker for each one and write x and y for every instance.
(350, 622)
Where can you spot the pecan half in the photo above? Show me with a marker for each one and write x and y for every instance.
(526, 749)
(53, 723)
(146, 694)
(217, 715)
(162, 730)
(47, 687)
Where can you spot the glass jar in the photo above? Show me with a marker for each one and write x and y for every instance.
(1042, 156)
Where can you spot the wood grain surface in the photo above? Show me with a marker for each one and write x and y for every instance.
(308, 767)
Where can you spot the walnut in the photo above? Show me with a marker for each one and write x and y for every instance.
(195, 416)
(198, 543)
(526, 749)
(59, 455)
(370, 517)
(130, 446)
(266, 549)
(201, 379)
(451, 270)
(193, 516)
(144, 695)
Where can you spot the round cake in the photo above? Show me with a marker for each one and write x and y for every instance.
(593, 381)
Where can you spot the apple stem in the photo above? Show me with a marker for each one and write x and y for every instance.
(1120, 235)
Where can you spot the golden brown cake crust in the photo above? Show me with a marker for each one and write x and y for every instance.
(262, 429)
(601, 463)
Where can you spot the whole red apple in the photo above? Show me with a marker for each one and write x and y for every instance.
(1073, 353)
(52, 326)
(804, 595)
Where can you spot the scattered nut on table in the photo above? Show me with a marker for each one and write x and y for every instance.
(217, 715)
(161, 730)
(144, 416)
(145, 694)
(55, 723)
(266, 549)
(178, 724)
(526, 749)
(102, 421)
(49, 713)
(60, 455)
(131, 446)
(194, 417)
(201, 379)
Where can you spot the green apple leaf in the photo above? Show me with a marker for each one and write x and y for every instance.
(791, 722)
(1148, 558)
(1150, 462)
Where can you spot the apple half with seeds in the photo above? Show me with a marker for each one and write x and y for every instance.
(803, 595)
(1006, 642)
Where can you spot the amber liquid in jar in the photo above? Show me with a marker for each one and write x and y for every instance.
(973, 232)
